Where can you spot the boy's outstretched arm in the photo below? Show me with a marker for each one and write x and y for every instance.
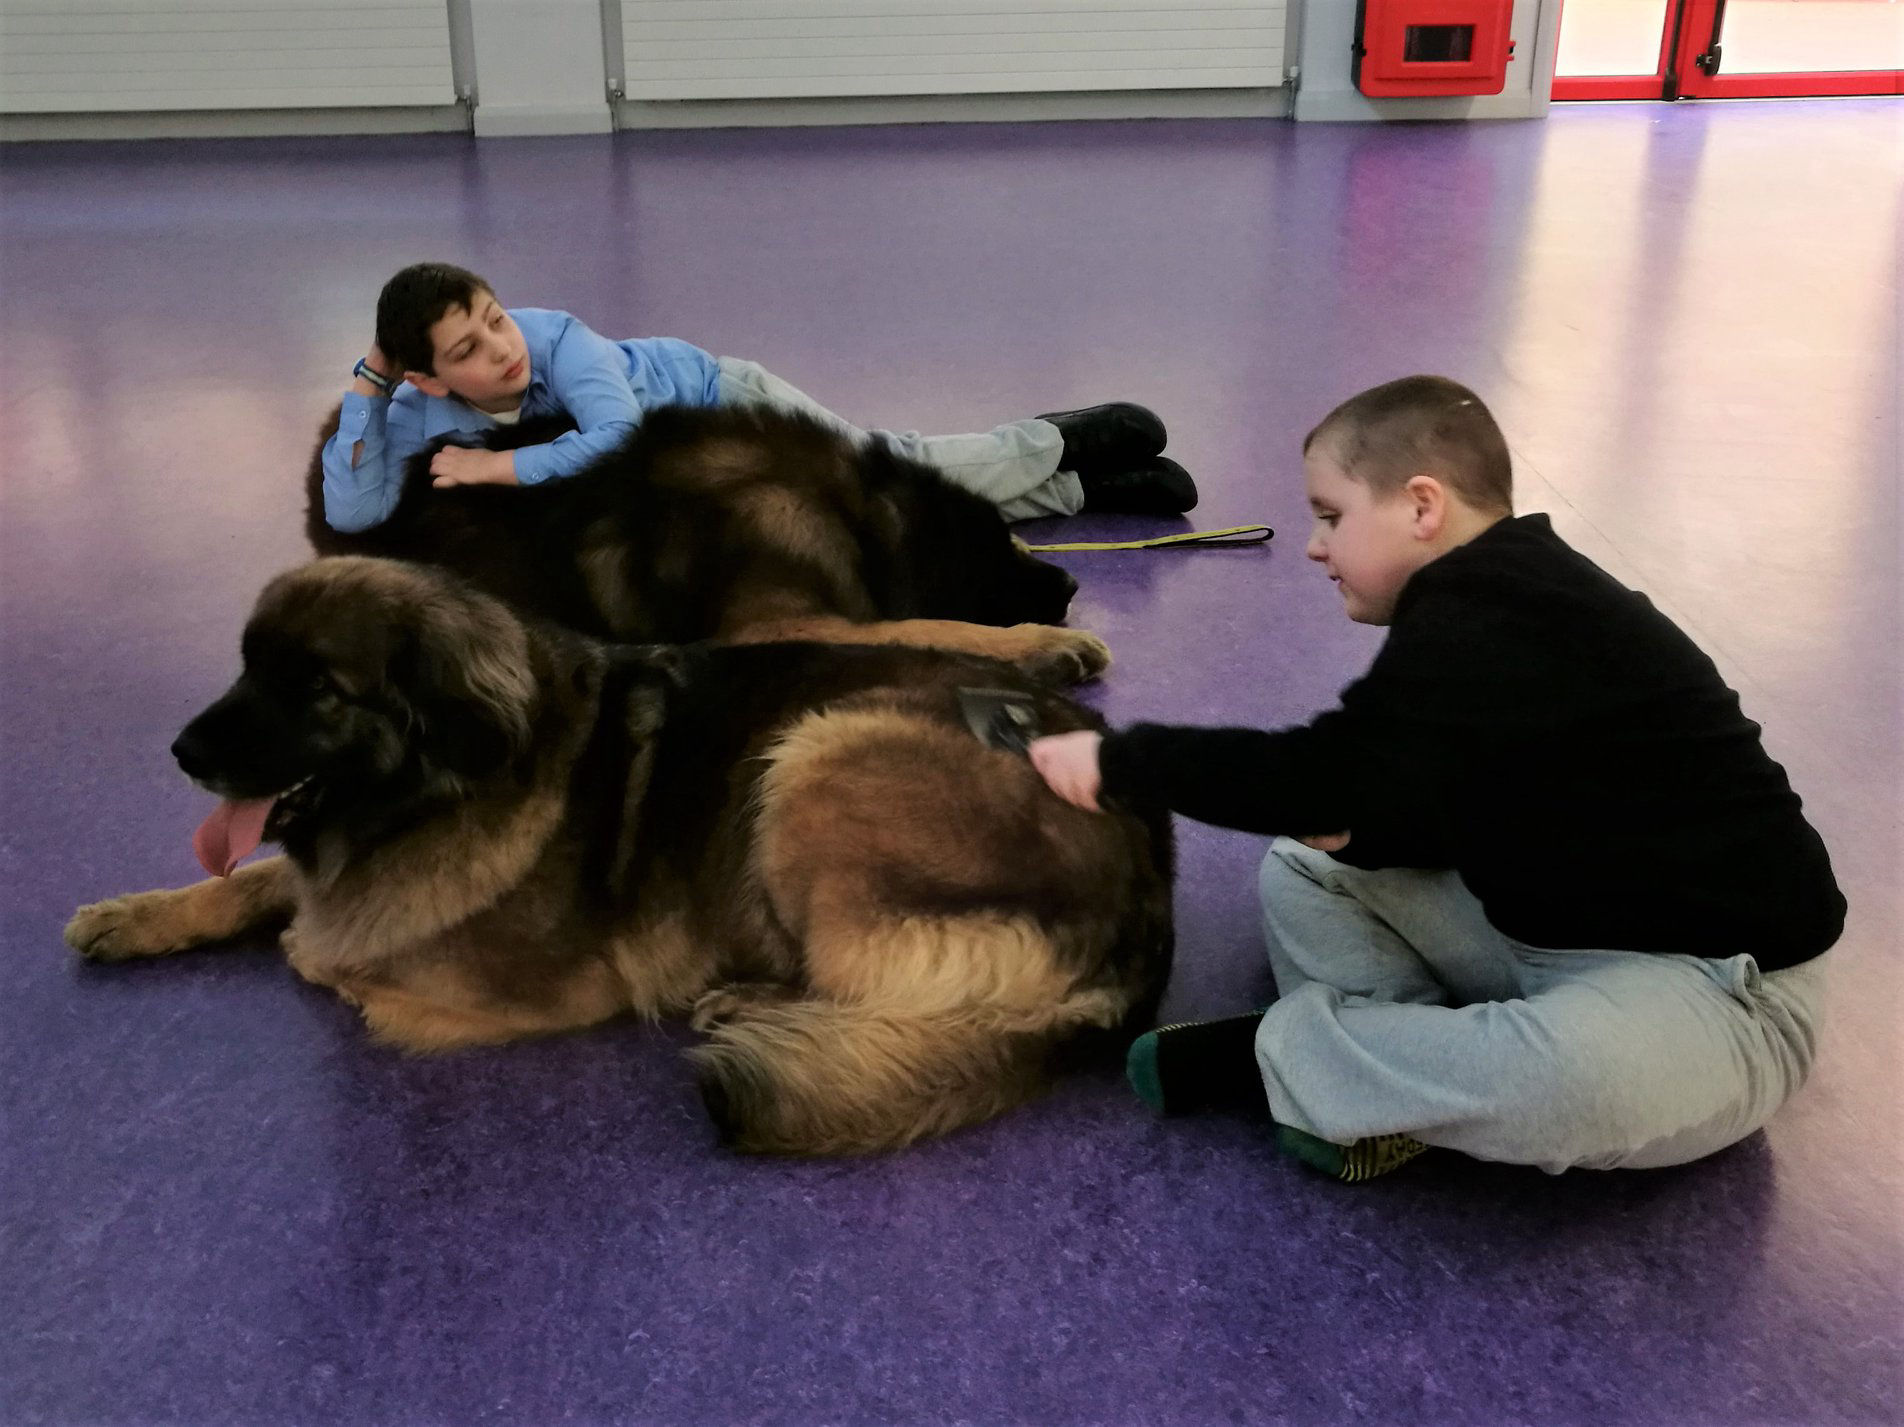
(588, 377)
(1289, 781)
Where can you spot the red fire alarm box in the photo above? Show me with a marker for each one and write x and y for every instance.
(1426, 47)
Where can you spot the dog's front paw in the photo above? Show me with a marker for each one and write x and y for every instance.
(1064, 656)
(125, 928)
(297, 954)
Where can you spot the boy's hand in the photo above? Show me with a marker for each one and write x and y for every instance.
(461, 466)
(1325, 841)
(375, 360)
(1068, 763)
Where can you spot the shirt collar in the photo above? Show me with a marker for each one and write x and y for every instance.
(446, 415)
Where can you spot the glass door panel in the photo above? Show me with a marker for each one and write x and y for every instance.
(1812, 36)
(1784, 48)
(1605, 37)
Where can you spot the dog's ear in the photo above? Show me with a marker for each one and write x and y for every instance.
(466, 675)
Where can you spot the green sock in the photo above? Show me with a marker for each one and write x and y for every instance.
(1211, 1065)
(1140, 1069)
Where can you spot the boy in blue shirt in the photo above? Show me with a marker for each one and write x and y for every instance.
(449, 359)
(1539, 895)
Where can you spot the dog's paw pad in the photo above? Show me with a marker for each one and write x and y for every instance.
(1069, 656)
(112, 931)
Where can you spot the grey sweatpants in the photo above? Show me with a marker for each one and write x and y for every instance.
(1403, 1010)
(1015, 467)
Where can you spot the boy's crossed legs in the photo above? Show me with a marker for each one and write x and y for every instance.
(1402, 1010)
(1404, 1017)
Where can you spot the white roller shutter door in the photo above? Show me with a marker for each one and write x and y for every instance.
(762, 49)
(80, 56)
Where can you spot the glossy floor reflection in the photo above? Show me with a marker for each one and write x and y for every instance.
(221, 1205)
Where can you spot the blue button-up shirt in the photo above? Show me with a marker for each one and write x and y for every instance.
(602, 386)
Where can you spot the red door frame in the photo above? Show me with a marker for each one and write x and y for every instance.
(1686, 38)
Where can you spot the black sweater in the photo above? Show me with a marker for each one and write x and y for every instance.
(1543, 730)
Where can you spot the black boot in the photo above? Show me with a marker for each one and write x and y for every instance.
(1108, 437)
(1154, 486)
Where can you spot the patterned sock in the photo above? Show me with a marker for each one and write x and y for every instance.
(1366, 1158)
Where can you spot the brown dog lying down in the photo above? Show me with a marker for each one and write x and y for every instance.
(730, 523)
(494, 829)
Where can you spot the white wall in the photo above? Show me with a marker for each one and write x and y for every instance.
(140, 56)
(1328, 91)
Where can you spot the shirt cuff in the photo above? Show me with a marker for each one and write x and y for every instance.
(357, 410)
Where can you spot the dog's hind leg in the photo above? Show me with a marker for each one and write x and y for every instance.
(260, 897)
(1045, 651)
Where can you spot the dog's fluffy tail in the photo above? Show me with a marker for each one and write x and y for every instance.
(828, 1077)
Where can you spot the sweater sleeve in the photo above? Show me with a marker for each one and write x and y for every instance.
(1296, 781)
(1385, 765)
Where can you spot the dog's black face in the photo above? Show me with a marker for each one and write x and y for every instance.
(270, 731)
(992, 578)
(360, 675)
(1041, 587)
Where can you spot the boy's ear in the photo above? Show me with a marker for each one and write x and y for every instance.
(426, 383)
(1430, 500)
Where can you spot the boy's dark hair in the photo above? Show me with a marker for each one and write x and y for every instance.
(1421, 426)
(413, 302)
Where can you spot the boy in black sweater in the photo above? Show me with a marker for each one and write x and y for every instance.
(1540, 895)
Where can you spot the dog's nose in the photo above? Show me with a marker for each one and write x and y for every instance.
(1059, 587)
(192, 754)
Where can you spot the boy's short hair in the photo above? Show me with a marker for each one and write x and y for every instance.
(413, 302)
(1421, 425)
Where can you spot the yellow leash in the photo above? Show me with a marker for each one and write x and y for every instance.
(1234, 535)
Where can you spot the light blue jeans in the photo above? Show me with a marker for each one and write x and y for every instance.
(1403, 1010)
(1015, 467)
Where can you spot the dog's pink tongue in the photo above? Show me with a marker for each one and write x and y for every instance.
(231, 834)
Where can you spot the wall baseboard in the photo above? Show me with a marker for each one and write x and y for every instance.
(521, 121)
(950, 109)
(1338, 106)
(232, 123)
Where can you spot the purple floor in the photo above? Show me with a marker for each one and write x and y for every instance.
(220, 1205)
